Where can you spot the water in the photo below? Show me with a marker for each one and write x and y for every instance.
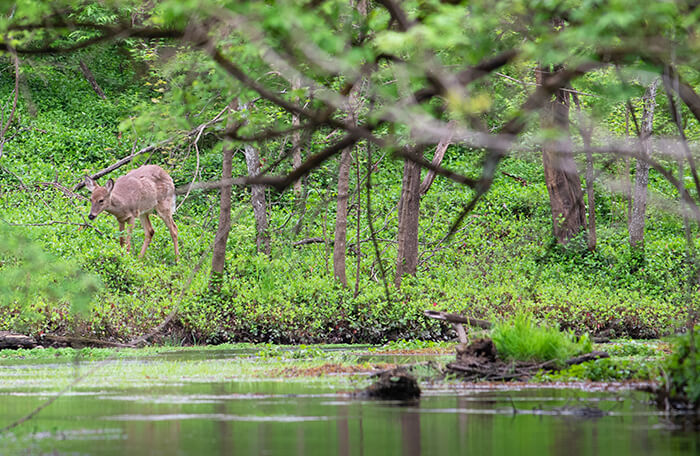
(163, 406)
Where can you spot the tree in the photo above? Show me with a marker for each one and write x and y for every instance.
(641, 179)
(341, 214)
(257, 200)
(224, 227)
(561, 175)
(409, 217)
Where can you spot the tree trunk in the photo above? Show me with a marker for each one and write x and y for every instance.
(296, 146)
(561, 176)
(219, 254)
(341, 218)
(409, 208)
(626, 175)
(586, 130)
(641, 178)
(257, 199)
(358, 259)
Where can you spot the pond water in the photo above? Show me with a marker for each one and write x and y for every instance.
(186, 405)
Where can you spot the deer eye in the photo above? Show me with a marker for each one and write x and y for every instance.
(101, 201)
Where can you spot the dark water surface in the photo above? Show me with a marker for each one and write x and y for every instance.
(175, 414)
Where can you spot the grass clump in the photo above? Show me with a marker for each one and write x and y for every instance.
(521, 338)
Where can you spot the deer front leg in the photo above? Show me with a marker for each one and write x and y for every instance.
(148, 233)
(121, 233)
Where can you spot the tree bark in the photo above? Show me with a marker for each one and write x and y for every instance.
(257, 199)
(409, 209)
(341, 218)
(641, 178)
(561, 176)
(219, 254)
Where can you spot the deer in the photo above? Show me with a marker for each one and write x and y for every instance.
(136, 194)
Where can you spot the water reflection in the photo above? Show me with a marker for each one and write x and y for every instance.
(272, 417)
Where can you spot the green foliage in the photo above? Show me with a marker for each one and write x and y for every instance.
(29, 277)
(500, 262)
(635, 348)
(604, 370)
(523, 338)
(403, 345)
(682, 369)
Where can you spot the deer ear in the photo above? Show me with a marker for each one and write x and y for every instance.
(109, 185)
(90, 183)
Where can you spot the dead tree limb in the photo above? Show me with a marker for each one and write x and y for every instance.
(437, 161)
(196, 132)
(91, 79)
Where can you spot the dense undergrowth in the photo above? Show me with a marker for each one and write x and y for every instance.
(501, 260)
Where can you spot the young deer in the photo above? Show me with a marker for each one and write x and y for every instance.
(136, 194)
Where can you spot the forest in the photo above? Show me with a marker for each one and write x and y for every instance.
(341, 167)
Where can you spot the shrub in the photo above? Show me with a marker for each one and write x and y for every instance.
(683, 371)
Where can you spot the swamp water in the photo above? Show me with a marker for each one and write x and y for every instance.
(232, 403)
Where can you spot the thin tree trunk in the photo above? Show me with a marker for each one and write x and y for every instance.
(627, 177)
(357, 224)
(641, 178)
(219, 254)
(561, 176)
(296, 146)
(586, 130)
(341, 218)
(257, 199)
(409, 209)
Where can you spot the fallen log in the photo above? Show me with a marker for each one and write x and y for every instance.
(80, 342)
(13, 341)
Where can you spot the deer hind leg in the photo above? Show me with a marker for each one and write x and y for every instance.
(148, 233)
(165, 212)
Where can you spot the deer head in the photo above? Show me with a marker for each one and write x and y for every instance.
(101, 196)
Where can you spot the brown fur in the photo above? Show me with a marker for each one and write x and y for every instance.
(137, 194)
